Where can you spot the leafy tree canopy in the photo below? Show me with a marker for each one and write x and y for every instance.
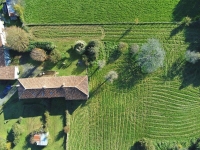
(151, 56)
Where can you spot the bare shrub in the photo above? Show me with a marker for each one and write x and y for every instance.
(122, 46)
(111, 76)
(38, 54)
(101, 63)
(134, 48)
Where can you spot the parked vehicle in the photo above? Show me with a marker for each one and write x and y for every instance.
(6, 90)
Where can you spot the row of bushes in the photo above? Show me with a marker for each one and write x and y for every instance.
(90, 50)
(147, 144)
(40, 55)
(46, 121)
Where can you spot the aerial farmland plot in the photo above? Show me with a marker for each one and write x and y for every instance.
(162, 106)
(102, 11)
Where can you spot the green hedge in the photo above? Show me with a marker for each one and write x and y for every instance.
(48, 46)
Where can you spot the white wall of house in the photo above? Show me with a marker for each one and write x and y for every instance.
(2, 33)
(16, 72)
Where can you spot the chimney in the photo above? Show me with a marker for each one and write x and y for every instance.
(63, 85)
(17, 85)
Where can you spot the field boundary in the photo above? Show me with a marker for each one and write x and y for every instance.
(83, 24)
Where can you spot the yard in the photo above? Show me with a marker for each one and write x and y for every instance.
(32, 112)
(162, 106)
(157, 106)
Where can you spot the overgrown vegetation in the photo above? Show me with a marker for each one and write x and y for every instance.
(144, 144)
(3, 144)
(48, 46)
(55, 56)
(46, 121)
(17, 131)
(20, 11)
(17, 39)
(92, 50)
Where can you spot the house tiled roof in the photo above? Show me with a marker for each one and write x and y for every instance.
(2, 57)
(70, 87)
(7, 73)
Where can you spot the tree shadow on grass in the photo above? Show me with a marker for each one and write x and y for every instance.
(185, 8)
(192, 36)
(176, 30)
(129, 73)
(115, 54)
(125, 33)
(136, 146)
(78, 70)
(13, 108)
(73, 55)
(64, 62)
(72, 105)
(175, 70)
(10, 137)
(60, 135)
(190, 75)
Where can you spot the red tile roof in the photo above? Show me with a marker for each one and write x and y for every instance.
(70, 87)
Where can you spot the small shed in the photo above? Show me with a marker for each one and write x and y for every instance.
(41, 139)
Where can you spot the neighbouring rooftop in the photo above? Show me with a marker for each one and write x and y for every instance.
(9, 73)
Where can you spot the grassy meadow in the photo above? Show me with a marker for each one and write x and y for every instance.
(162, 106)
(96, 11)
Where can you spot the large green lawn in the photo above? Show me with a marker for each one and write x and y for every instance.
(32, 112)
(99, 11)
(162, 106)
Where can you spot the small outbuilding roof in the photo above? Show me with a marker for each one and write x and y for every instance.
(11, 11)
(41, 139)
